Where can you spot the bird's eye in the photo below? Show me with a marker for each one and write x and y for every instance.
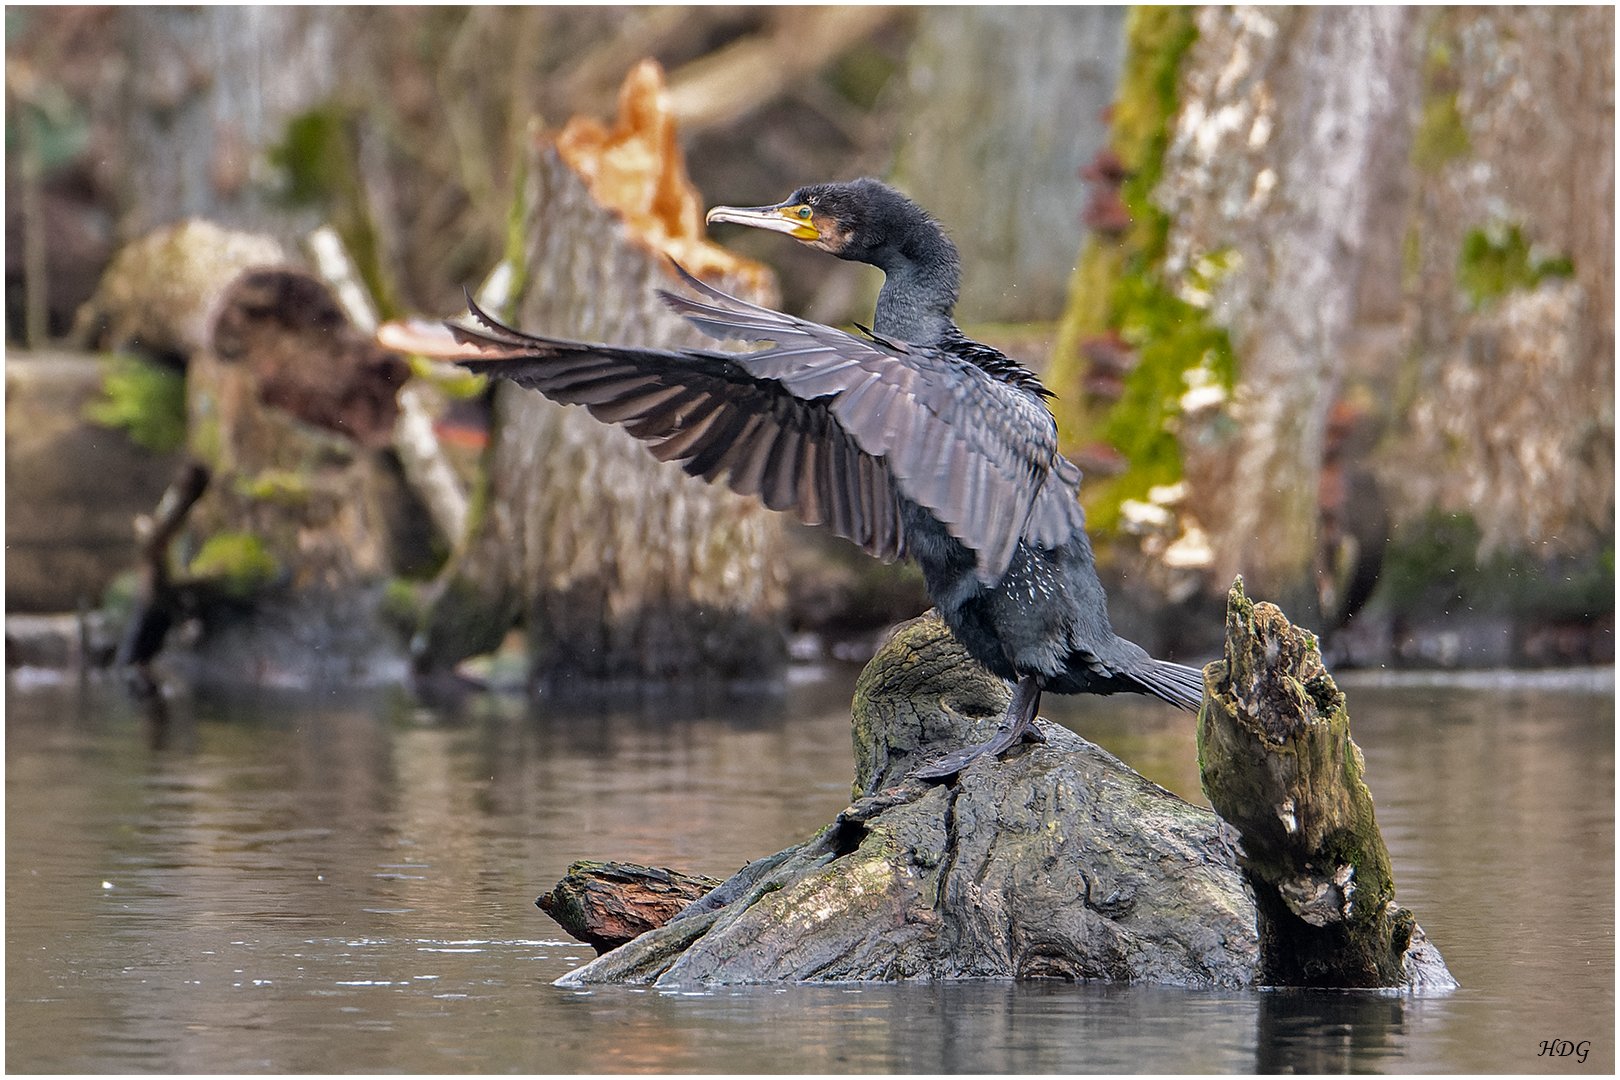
(804, 213)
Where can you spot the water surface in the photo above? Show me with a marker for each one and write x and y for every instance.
(346, 883)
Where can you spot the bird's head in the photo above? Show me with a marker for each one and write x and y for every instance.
(862, 220)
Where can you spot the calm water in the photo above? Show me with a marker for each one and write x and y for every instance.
(347, 884)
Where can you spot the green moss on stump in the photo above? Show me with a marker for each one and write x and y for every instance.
(1278, 763)
(237, 562)
(283, 487)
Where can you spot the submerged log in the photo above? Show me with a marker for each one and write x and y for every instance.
(1057, 861)
(1277, 762)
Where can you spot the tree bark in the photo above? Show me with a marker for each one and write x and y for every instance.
(1285, 116)
(1397, 220)
(608, 904)
(1511, 381)
(209, 90)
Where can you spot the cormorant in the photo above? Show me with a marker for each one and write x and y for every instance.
(910, 441)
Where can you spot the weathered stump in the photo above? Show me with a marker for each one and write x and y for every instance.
(293, 410)
(1057, 861)
(1277, 762)
(624, 569)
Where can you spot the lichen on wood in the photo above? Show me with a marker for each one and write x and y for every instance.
(1278, 764)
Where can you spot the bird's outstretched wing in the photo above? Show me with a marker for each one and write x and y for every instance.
(704, 411)
(841, 422)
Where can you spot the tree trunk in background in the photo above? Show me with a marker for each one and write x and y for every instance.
(1399, 221)
(308, 516)
(209, 90)
(1507, 357)
(624, 568)
(1003, 106)
(1292, 122)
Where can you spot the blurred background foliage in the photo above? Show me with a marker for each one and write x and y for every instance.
(1128, 187)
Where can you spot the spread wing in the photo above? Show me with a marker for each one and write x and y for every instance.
(704, 411)
(825, 423)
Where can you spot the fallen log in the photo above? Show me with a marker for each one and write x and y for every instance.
(1058, 861)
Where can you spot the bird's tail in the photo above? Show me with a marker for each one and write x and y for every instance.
(1178, 684)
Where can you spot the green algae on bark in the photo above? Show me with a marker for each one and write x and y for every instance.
(1117, 285)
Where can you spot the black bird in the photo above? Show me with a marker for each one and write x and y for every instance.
(910, 441)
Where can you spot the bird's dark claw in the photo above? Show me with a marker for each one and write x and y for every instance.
(1005, 739)
(951, 764)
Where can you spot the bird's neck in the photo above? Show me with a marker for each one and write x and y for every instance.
(919, 294)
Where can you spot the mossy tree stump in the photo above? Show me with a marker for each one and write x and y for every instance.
(1278, 764)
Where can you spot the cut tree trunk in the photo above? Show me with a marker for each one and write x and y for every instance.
(624, 569)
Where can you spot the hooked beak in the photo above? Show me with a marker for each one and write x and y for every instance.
(782, 219)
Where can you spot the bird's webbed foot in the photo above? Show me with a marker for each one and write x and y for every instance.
(1018, 727)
